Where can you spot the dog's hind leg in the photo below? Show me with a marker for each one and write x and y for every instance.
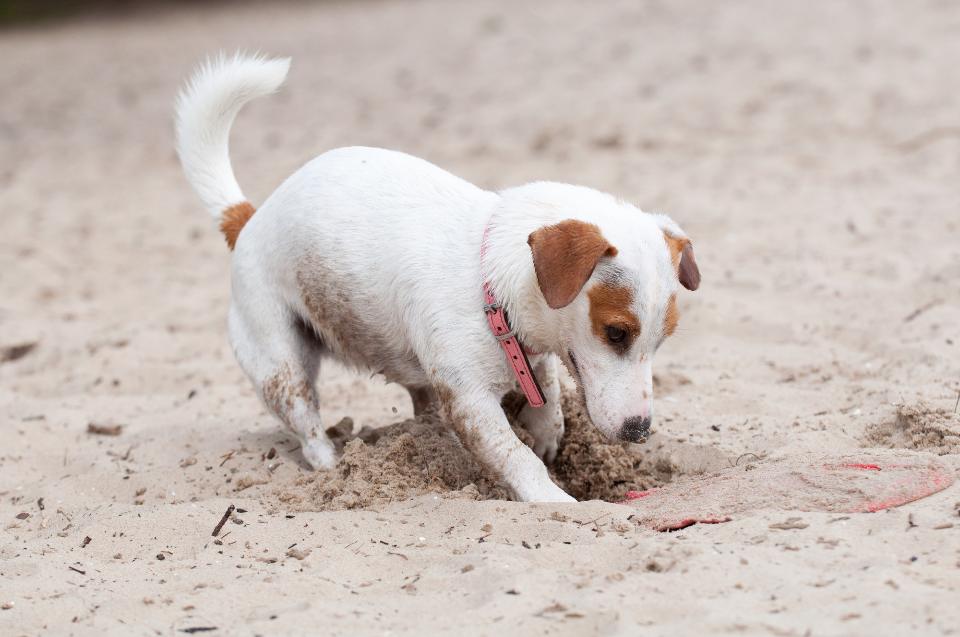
(282, 357)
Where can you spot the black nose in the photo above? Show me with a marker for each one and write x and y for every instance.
(635, 429)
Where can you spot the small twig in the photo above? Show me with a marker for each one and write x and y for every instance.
(594, 519)
(99, 429)
(77, 570)
(15, 352)
(927, 137)
(223, 520)
(227, 456)
(920, 310)
(955, 405)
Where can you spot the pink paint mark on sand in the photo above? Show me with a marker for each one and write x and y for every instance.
(939, 480)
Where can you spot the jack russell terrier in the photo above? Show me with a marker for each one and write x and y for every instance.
(392, 265)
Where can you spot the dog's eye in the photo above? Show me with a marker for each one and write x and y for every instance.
(615, 334)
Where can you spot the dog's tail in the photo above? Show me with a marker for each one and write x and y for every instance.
(205, 111)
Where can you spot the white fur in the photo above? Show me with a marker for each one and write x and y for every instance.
(205, 111)
(400, 239)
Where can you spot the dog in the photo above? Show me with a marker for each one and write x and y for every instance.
(392, 265)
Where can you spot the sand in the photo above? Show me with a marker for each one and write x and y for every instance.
(423, 455)
(811, 151)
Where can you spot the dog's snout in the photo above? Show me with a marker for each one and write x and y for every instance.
(635, 428)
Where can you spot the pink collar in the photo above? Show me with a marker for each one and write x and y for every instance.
(515, 352)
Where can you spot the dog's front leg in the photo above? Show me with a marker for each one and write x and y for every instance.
(483, 429)
(545, 423)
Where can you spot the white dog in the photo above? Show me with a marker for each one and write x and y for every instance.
(392, 265)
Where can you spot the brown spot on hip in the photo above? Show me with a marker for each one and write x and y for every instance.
(610, 305)
(233, 219)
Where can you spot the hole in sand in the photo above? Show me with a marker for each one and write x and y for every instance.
(422, 455)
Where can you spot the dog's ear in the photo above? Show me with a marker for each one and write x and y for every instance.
(681, 251)
(687, 269)
(564, 257)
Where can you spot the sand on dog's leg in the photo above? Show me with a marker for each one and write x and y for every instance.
(484, 430)
(283, 360)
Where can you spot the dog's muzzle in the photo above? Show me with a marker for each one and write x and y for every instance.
(635, 429)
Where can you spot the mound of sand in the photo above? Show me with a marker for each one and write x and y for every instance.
(918, 427)
(422, 455)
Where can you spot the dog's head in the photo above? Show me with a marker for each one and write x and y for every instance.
(611, 281)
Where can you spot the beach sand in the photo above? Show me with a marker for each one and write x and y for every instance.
(811, 150)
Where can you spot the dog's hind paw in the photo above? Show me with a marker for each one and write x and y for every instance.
(319, 453)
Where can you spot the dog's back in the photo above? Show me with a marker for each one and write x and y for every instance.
(364, 245)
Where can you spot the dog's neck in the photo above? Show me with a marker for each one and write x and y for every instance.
(508, 265)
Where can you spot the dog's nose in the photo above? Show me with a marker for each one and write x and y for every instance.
(635, 428)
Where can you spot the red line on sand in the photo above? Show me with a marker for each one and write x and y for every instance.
(910, 489)
(939, 481)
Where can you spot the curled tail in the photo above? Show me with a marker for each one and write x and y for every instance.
(205, 112)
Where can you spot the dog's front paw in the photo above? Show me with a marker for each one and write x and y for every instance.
(548, 492)
(546, 446)
(546, 428)
(319, 453)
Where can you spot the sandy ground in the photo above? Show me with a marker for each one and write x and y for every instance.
(811, 149)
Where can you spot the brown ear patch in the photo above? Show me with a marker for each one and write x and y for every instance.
(233, 219)
(610, 305)
(671, 317)
(564, 257)
(681, 253)
(675, 246)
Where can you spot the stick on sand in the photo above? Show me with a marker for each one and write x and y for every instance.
(223, 520)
